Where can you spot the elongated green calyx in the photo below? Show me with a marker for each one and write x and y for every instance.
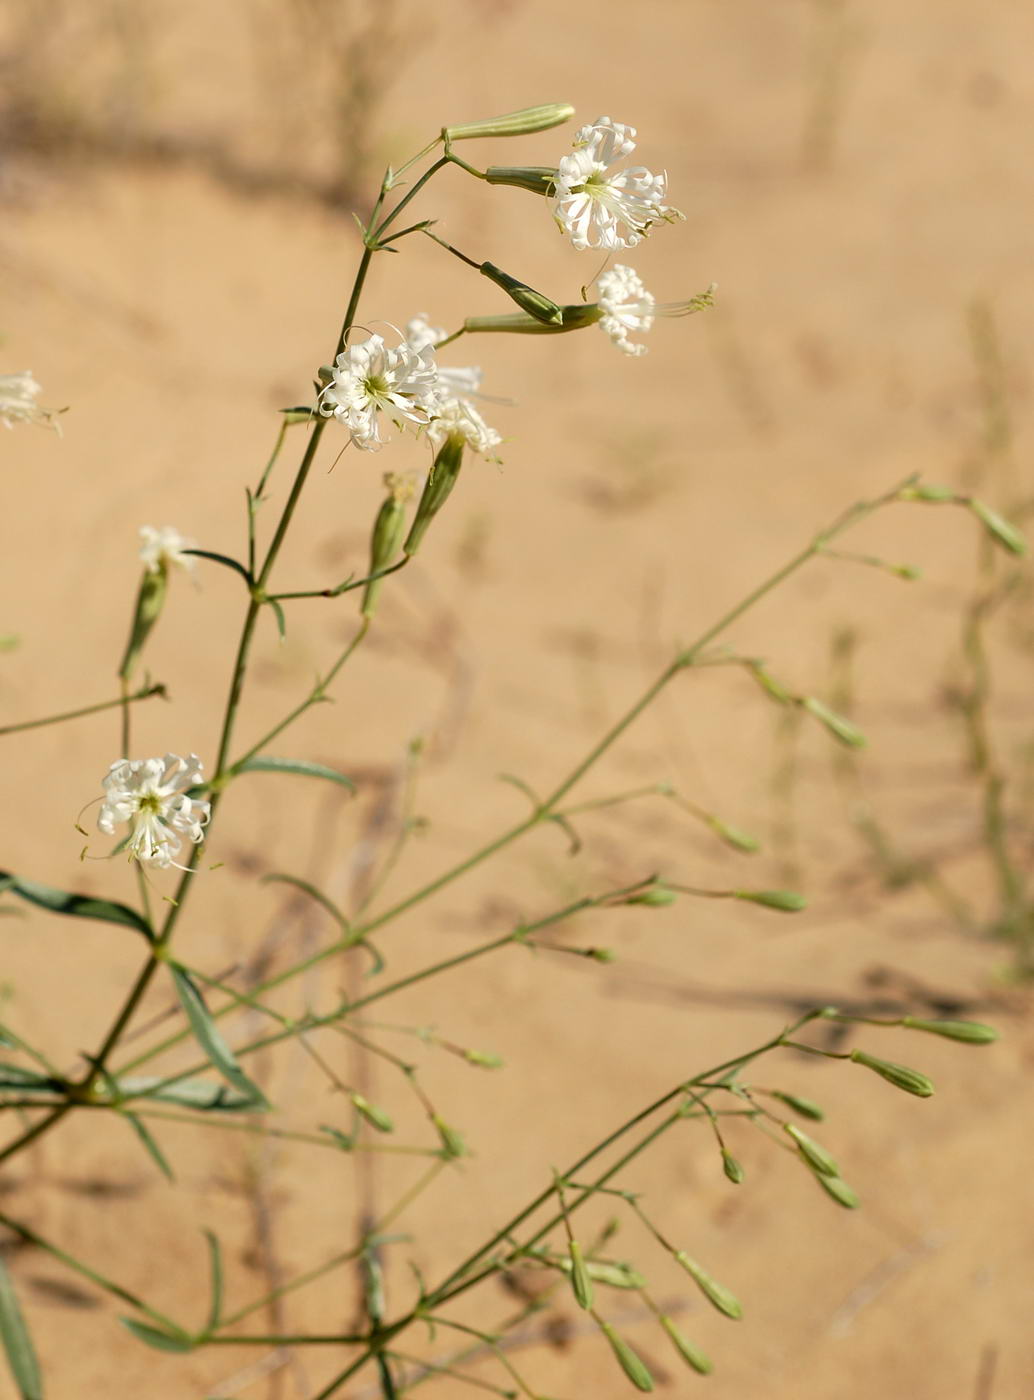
(536, 179)
(656, 896)
(1001, 531)
(580, 1281)
(440, 481)
(971, 1032)
(834, 1186)
(572, 318)
(452, 1143)
(841, 729)
(731, 1167)
(807, 1108)
(786, 901)
(373, 1115)
(633, 1366)
(813, 1152)
(149, 601)
(605, 1271)
(387, 534)
(522, 123)
(733, 836)
(687, 1349)
(899, 1075)
(527, 298)
(714, 1292)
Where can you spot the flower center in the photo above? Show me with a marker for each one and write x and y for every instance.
(376, 386)
(150, 804)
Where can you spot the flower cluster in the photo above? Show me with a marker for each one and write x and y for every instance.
(601, 208)
(151, 795)
(18, 395)
(374, 378)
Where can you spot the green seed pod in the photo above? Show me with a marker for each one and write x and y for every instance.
(805, 1107)
(841, 729)
(440, 480)
(899, 1075)
(373, 1115)
(536, 179)
(385, 538)
(971, 1032)
(452, 1144)
(522, 123)
(581, 1284)
(843, 1194)
(527, 298)
(1001, 531)
(615, 1275)
(731, 1167)
(572, 318)
(149, 601)
(714, 1292)
(784, 900)
(813, 1152)
(632, 1365)
(686, 1349)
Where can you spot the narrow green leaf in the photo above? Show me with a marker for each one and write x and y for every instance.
(21, 1355)
(324, 901)
(215, 1261)
(147, 1138)
(31, 1080)
(281, 619)
(209, 1037)
(155, 1337)
(222, 559)
(299, 766)
(198, 1094)
(78, 906)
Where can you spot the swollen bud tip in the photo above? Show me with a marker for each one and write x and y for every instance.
(527, 298)
(970, 1032)
(899, 1075)
(522, 123)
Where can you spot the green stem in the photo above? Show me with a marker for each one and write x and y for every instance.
(122, 701)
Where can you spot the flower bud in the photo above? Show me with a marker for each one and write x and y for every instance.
(536, 179)
(843, 1194)
(527, 298)
(784, 900)
(733, 836)
(813, 1152)
(972, 1032)
(373, 1115)
(839, 727)
(731, 1167)
(805, 1107)
(1001, 531)
(615, 1275)
(771, 686)
(927, 493)
(899, 1075)
(714, 1292)
(386, 537)
(655, 897)
(440, 481)
(452, 1144)
(484, 1058)
(522, 123)
(580, 1281)
(302, 413)
(632, 1365)
(688, 1351)
(149, 601)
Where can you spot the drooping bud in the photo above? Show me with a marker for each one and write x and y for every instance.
(805, 1107)
(440, 481)
(633, 1366)
(731, 1167)
(786, 901)
(813, 1152)
(581, 1284)
(149, 600)
(899, 1075)
(714, 1292)
(770, 685)
(452, 1144)
(836, 1187)
(841, 729)
(1001, 531)
(386, 537)
(522, 123)
(373, 1115)
(536, 179)
(527, 298)
(733, 836)
(687, 1349)
(971, 1032)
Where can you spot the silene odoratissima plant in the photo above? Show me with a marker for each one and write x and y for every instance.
(162, 811)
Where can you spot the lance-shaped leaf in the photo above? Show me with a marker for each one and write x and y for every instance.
(209, 1037)
(21, 1355)
(154, 1151)
(156, 1337)
(223, 559)
(77, 906)
(215, 1263)
(198, 1094)
(299, 766)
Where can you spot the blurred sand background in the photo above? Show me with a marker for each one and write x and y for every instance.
(173, 267)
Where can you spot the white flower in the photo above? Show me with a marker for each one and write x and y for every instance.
(627, 306)
(456, 415)
(18, 395)
(374, 378)
(601, 209)
(160, 549)
(150, 794)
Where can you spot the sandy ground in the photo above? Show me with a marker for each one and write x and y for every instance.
(855, 177)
